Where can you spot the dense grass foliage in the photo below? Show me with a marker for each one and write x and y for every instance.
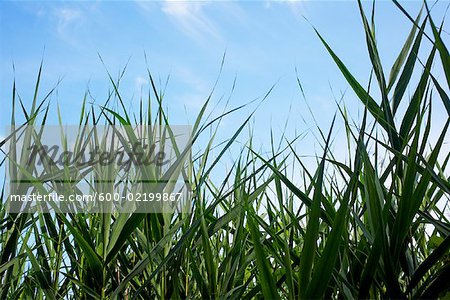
(374, 225)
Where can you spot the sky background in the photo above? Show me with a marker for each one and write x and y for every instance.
(265, 43)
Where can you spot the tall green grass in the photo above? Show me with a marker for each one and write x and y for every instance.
(372, 226)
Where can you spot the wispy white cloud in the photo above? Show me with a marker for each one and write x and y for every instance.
(68, 18)
(297, 7)
(140, 81)
(63, 17)
(190, 18)
(195, 88)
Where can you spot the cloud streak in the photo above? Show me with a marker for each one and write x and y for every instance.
(190, 18)
(68, 18)
(297, 7)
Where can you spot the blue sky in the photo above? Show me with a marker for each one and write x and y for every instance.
(265, 41)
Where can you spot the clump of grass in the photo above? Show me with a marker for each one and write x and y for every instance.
(373, 227)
